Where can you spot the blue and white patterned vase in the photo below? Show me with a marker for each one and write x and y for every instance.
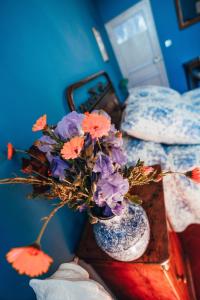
(124, 237)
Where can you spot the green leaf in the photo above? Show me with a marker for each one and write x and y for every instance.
(135, 199)
(139, 163)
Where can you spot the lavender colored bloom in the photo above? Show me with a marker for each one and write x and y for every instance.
(70, 126)
(114, 185)
(49, 156)
(111, 191)
(99, 198)
(83, 207)
(112, 139)
(107, 212)
(103, 165)
(118, 156)
(46, 143)
(118, 208)
(58, 166)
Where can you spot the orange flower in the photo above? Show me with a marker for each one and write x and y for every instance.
(194, 174)
(40, 123)
(147, 170)
(10, 151)
(29, 260)
(72, 148)
(159, 178)
(97, 125)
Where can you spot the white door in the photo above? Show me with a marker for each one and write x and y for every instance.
(135, 42)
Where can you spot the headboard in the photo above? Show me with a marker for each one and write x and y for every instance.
(101, 95)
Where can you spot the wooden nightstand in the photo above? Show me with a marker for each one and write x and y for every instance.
(162, 273)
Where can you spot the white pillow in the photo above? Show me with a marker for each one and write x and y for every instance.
(70, 282)
(160, 115)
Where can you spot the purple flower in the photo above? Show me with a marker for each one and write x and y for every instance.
(83, 207)
(49, 156)
(114, 185)
(99, 198)
(70, 125)
(58, 166)
(46, 143)
(118, 156)
(103, 165)
(117, 208)
(112, 139)
(111, 191)
(107, 212)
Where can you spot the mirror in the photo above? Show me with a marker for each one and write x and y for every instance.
(188, 12)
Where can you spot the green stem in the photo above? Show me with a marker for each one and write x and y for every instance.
(99, 145)
(50, 216)
(24, 181)
(171, 172)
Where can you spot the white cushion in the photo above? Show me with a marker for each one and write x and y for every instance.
(70, 282)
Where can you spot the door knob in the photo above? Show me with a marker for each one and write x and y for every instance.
(157, 59)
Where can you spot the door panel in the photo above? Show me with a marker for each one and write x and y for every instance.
(135, 43)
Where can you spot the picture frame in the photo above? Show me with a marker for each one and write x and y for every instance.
(188, 12)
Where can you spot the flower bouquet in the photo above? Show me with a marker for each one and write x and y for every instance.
(81, 162)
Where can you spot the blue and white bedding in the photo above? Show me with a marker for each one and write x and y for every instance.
(162, 115)
(182, 196)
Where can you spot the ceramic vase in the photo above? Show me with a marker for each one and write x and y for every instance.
(124, 237)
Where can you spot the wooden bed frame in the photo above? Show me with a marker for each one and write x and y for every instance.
(101, 96)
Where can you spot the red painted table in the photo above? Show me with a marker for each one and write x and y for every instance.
(162, 273)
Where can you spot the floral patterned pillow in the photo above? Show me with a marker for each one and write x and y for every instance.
(160, 115)
(149, 152)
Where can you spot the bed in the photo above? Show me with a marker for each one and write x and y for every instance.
(153, 121)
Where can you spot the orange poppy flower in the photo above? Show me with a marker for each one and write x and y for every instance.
(97, 125)
(10, 151)
(40, 123)
(194, 174)
(29, 260)
(72, 148)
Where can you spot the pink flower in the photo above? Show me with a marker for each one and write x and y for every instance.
(10, 151)
(29, 260)
(73, 148)
(147, 170)
(96, 124)
(40, 123)
(194, 174)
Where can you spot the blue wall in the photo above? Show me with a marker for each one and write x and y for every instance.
(186, 43)
(45, 46)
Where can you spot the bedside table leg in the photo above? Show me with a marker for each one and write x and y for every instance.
(165, 268)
